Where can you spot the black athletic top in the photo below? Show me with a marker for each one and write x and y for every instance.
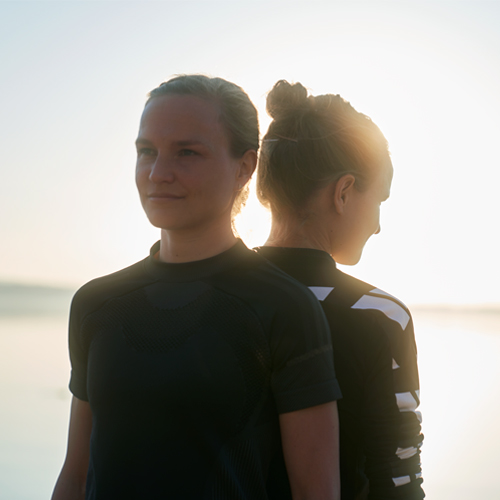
(186, 368)
(376, 363)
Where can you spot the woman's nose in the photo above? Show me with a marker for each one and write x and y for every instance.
(378, 230)
(162, 170)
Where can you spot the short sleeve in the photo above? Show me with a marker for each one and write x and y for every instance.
(77, 353)
(303, 373)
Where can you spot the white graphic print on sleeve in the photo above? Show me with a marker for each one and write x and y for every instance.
(321, 292)
(389, 306)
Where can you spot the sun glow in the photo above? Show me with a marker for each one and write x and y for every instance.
(253, 223)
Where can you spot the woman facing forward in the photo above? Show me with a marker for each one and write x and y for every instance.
(324, 170)
(202, 371)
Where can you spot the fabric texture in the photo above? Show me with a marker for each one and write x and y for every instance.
(375, 360)
(187, 367)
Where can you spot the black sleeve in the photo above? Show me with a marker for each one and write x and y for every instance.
(302, 374)
(392, 437)
(77, 352)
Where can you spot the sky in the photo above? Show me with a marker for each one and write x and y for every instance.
(74, 79)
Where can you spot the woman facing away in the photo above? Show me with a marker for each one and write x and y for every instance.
(202, 371)
(324, 170)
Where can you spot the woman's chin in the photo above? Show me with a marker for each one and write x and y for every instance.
(348, 259)
(164, 223)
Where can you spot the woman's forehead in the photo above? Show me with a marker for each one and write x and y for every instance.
(180, 116)
(175, 106)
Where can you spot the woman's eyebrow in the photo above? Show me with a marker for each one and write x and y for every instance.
(191, 142)
(142, 142)
(182, 143)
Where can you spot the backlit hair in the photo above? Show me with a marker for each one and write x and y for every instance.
(312, 141)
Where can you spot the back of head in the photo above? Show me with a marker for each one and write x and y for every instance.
(311, 142)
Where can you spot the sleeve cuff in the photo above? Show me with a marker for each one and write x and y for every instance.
(78, 388)
(308, 396)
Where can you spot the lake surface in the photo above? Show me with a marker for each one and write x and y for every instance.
(459, 353)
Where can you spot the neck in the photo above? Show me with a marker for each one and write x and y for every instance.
(191, 245)
(293, 233)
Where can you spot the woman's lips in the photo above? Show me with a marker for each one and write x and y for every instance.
(164, 196)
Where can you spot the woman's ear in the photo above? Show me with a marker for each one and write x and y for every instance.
(247, 165)
(342, 192)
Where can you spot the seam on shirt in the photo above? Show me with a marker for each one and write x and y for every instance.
(310, 354)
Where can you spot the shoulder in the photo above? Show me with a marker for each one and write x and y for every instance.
(369, 301)
(274, 297)
(97, 291)
(275, 283)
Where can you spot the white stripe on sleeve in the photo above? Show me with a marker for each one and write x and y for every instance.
(388, 307)
(321, 292)
(406, 401)
(377, 291)
(399, 481)
(404, 453)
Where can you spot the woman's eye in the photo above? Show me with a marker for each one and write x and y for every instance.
(187, 152)
(146, 152)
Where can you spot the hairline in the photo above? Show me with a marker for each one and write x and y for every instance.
(216, 101)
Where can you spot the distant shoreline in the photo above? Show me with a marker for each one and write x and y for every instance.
(21, 297)
(18, 299)
(493, 308)
(11, 286)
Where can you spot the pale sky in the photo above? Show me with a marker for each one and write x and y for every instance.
(75, 75)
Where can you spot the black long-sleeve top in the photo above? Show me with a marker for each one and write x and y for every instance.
(375, 360)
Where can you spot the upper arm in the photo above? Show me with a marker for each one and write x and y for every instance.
(71, 482)
(303, 374)
(305, 388)
(392, 424)
(80, 428)
(311, 451)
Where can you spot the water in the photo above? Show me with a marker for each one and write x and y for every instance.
(34, 407)
(460, 389)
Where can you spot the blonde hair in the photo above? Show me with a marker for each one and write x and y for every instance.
(311, 142)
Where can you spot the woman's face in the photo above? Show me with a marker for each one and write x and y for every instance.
(185, 174)
(362, 216)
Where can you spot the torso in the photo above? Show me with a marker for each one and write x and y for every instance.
(179, 364)
(375, 361)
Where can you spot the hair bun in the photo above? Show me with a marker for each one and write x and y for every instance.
(285, 98)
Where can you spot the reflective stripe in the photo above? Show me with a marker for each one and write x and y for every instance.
(406, 401)
(321, 292)
(399, 481)
(404, 453)
(377, 291)
(388, 307)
